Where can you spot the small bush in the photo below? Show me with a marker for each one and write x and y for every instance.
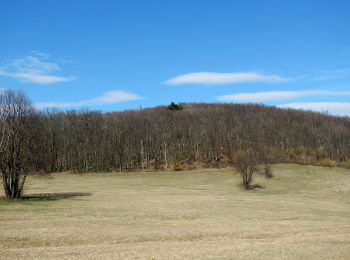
(327, 163)
(245, 162)
(311, 160)
(268, 171)
(347, 164)
(178, 166)
(300, 159)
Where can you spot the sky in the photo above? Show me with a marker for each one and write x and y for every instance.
(117, 55)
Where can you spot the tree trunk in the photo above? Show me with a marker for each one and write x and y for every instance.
(13, 185)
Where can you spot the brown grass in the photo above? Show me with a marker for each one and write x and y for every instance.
(302, 213)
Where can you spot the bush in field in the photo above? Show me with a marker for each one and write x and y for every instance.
(178, 166)
(263, 155)
(347, 164)
(301, 159)
(246, 163)
(267, 171)
(327, 163)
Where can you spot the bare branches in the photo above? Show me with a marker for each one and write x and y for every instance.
(16, 112)
(3, 122)
(246, 163)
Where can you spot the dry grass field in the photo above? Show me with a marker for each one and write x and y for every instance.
(302, 213)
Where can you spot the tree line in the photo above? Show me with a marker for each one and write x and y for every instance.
(198, 135)
(180, 136)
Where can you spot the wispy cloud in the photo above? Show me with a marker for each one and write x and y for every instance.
(264, 96)
(43, 105)
(110, 97)
(335, 108)
(216, 78)
(323, 75)
(277, 95)
(34, 68)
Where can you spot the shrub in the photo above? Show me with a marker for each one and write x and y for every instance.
(178, 166)
(301, 159)
(327, 163)
(347, 164)
(246, 163)
(268, 171)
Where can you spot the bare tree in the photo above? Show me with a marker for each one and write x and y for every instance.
(16, 111)
(246, 163)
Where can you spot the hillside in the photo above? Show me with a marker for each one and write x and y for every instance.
(188, 136)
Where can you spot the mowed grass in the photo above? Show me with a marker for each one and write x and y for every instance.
(302, 213)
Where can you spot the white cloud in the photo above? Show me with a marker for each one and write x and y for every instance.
(38, 78)
(34, 68)
(277, 95)
(43, 105)
(264, 96)
(335, 108)
(110, 97)
(216, 78)
(114, 96)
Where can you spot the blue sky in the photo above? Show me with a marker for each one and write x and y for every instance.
(115, 55)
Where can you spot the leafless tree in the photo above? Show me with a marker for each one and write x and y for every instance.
(246, 163)
(16, 112)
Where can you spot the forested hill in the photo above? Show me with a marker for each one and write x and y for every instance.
(186, 136)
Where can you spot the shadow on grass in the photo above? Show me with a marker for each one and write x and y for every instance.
(252, 187)
(257, 186)
(53, 196)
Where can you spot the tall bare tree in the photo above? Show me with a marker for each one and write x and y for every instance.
(15, 162)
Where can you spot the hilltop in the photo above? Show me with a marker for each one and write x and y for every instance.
(188, 136)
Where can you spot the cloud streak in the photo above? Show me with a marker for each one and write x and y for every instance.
(34, 68)
(216, 78)
(323, 75)
(335, 108)
(257, 97)
(110, 97)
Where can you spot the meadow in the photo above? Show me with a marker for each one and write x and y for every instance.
(301, 213)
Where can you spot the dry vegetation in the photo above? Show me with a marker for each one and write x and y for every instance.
(302, 213)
